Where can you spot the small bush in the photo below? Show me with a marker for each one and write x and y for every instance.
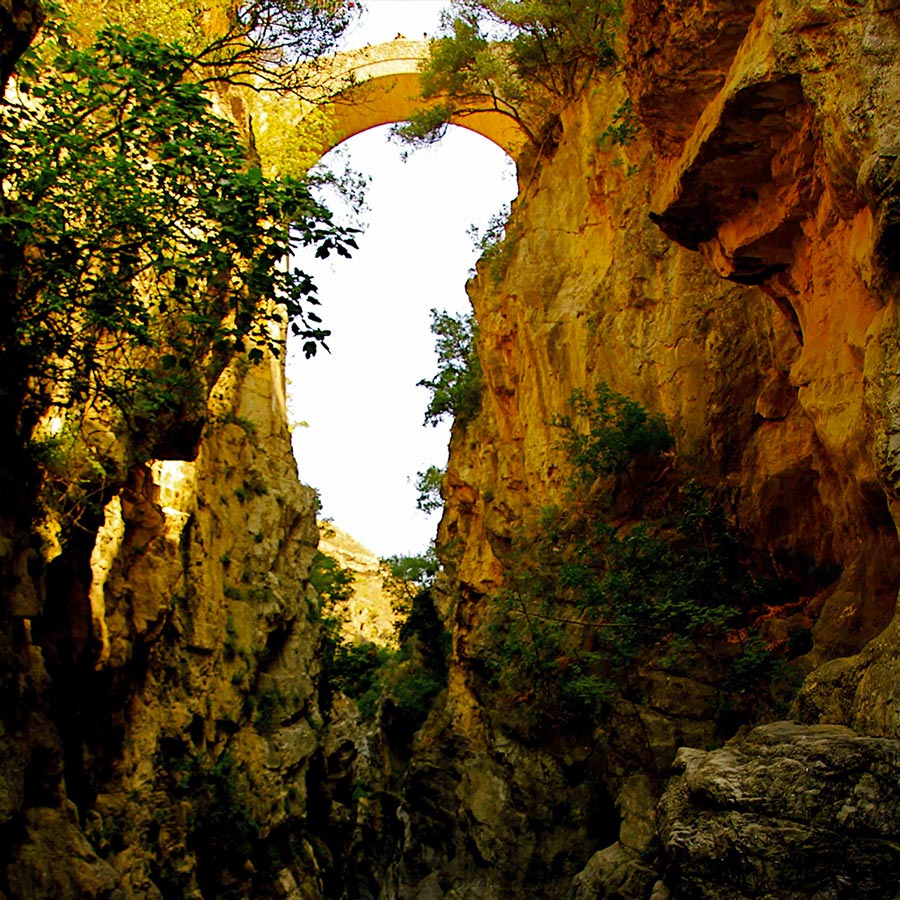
(268, 701)
(232, 592)
(355, 667)
(590, 599)
(405, 577)
(332, 582)
(429, 485)
(230, 644)
(456, 388)
(618, 432)
(413, 694)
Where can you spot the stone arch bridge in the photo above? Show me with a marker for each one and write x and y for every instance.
(386, 89)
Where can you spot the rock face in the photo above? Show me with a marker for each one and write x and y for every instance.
(189, 696)
(788, 811)
(367, 615)
(734, 269)
(731, 269)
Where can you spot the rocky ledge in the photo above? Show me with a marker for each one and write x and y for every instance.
(789, 811)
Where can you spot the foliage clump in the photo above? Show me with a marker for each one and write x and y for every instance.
(456, 389)
(429, 485)
(618, 431)
(597, 591)
(496, 242)
(405, 577)
(404, 681)
(140, 249)
(235, 857)
(523, 59)
(268, 45)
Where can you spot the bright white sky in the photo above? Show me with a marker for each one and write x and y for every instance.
(364, 441)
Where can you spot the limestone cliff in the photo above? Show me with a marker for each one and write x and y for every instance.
(367, 615)
(734, 270)
(158, 665)
(187, 697)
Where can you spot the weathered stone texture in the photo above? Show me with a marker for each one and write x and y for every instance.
(754, 309)
(788, 811)
(199, 640)
(734, 269)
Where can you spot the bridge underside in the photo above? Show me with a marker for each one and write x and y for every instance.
(394, 98)
(388, 90)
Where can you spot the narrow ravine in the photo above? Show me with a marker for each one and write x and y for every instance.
(655, 656)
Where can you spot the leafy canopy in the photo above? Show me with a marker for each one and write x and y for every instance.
(138, 249)
(590, 598)
(268, 45)
(429, 484)
(456, 388)
(618, 431)
(523, 59)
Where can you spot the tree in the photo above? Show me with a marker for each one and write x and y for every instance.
(405, 577)
(267, 45)
(139, 250)
(618, 431)
(524, 59)
(429, 484)
(456, 388)
(590, 598)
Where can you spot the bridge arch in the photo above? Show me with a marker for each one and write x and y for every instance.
(387, 90)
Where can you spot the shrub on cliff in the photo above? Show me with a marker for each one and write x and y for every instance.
(429, 485)
(616, 431)
(592, 597)
(138, 248)
(523, 59)
(609, 434)
(397, 685)
(457, 386)
(406, 577)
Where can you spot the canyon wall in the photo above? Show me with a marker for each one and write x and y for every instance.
(734, 269)
(159, 705)
(164, 712)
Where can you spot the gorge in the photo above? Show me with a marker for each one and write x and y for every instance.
(727, 261)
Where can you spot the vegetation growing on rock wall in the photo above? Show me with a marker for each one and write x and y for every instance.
(456, 388)
(598, 590)
(619, 432)
(496, 242)
(414, 678)
(404, 680)
(224, 851)
(405, 577)
(140, 250)
(429, 484)
(269, 45)
(523, 59)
